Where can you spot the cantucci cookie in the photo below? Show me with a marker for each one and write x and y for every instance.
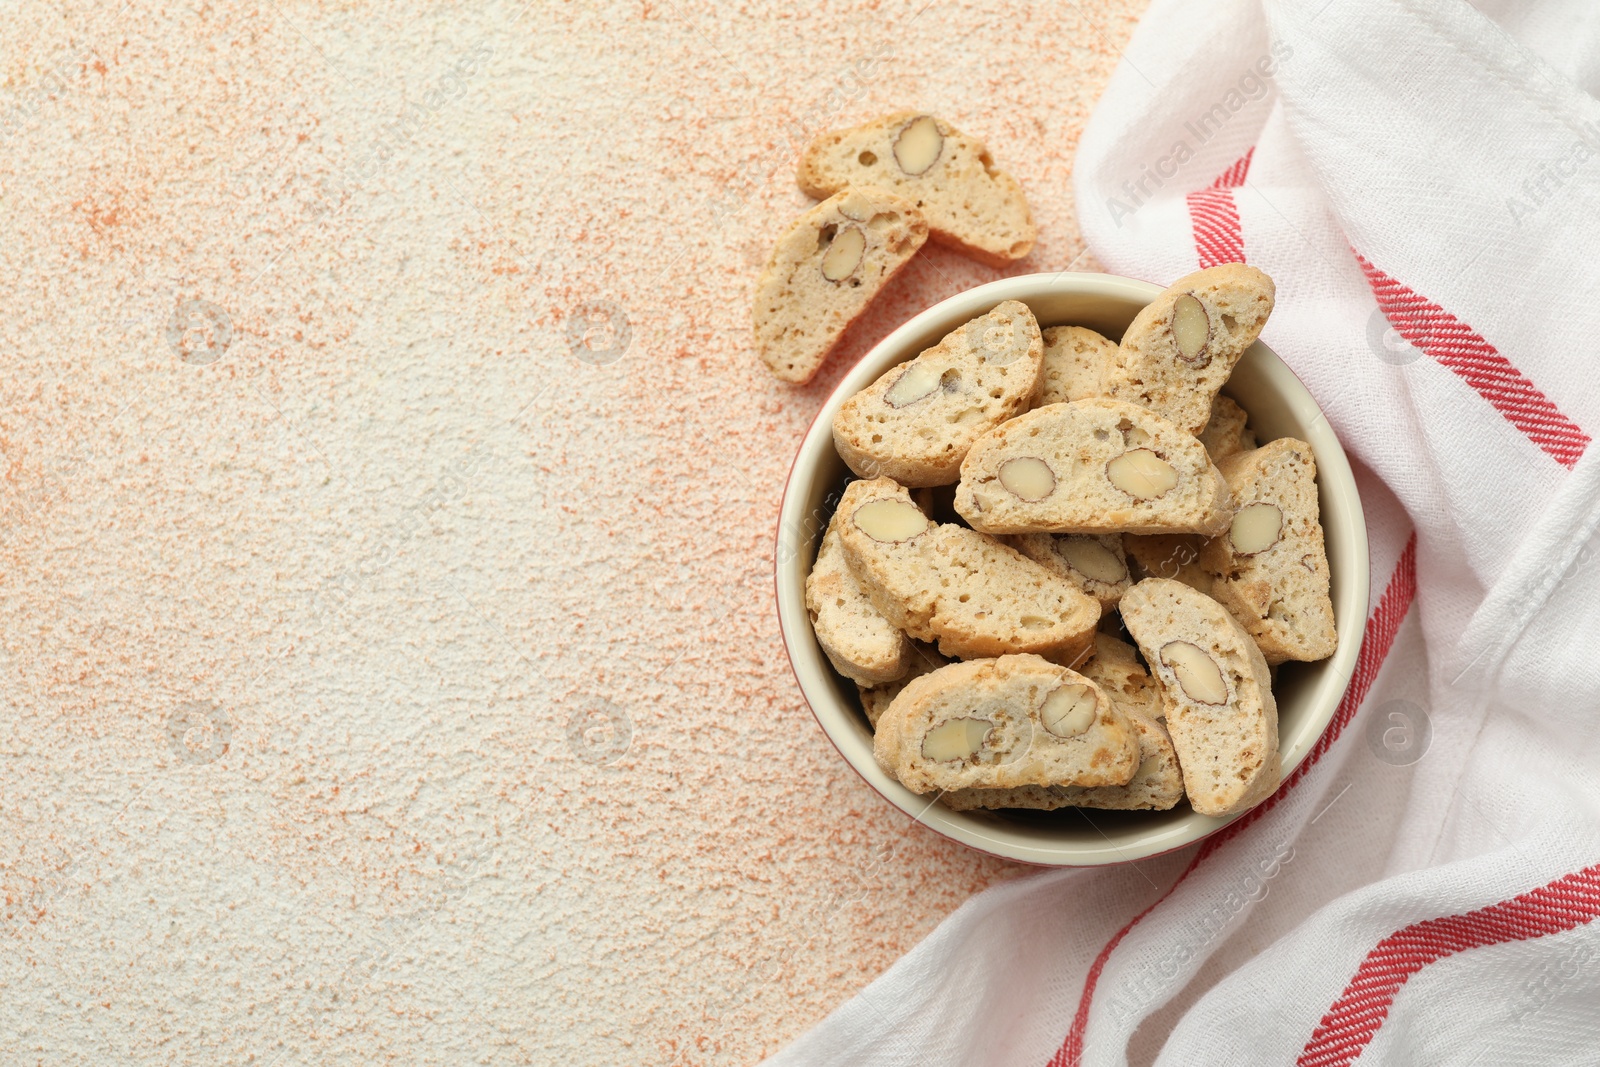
(971, 205)
(875, 699)
(1183, 346)
(1226, 433)
(1000, 723)
(861, 644)
(1091, 466)
(1216, 690)
(1074, 360)
(1175, 556)
(916, 422)
(825, 271)
(1156, 785)
(947, 584)
(1095, 564)
(1271, 568)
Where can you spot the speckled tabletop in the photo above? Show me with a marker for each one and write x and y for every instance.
(391, 672)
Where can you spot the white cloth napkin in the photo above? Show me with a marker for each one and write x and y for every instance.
(1422, 180)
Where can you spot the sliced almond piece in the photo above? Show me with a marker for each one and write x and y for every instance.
(1197, 673)
(890, 520)
(1141, 474)
(1091, 559)
(844, 254)
(919, 145)
(1191, 328)
(955, 739)
(1028, 477)
(918, 381)
(1256, 528)
(1069, 710)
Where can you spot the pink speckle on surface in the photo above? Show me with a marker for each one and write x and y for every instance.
(391, 670)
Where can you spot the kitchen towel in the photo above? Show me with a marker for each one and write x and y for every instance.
(1422, 180)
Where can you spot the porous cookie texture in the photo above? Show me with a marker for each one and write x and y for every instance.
(1094, 563)
(1216, 690)
(1182, 347)
(971, 205)
(1157, 783)
(947, 584)
(1075, 359)
(1270, 569)
(825, 271)
(861, 644)
(1001, 723)
(1226, 433)
(1091, 466)
(875, 699)
(916, 422)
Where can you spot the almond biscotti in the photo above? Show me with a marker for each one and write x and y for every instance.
(1095, 564)
(1001, 723)
(861, 644)
(1183, 346)
(1075, 359)
(971, 205)
(1226, 433)
(1095, 467)
(875, 699)
(916, 422)
(951, 585)
(1157, 783)
(1270, 570)
(825, 271)
(1216, 690)
(1175, 556)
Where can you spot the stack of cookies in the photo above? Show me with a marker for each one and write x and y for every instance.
(1025, 499)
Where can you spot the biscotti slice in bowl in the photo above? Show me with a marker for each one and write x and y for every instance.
(1271, 567)
(971, 205)
(1157, 783)
(1175, 556)
(950, 585)
(875, 699)
(1216, 690)
(1094, 467)
(1095, 564)
(1075, 360)
(825, 271)
(1183, 346)
(1226, 433)
(917, 421)
(1001, 723)
(861, 644)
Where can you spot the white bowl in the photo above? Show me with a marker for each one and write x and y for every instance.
(1307, 693)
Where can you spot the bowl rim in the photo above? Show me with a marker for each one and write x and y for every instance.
(1333, 471)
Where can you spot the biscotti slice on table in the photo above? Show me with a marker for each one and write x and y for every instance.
(971, 205)
(861, 644)
(1000, 723)
(1093, 467)
(947, 584)
(1271, 568)
(1157, 783)
(875, 699)
(1216, 690)
(1094, 563)
(825, 271)
(916, 422)
(1075, 359)
(1175, 556)
(1226, 433)
(1182, 347)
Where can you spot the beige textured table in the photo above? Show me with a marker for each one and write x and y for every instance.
(390, 670)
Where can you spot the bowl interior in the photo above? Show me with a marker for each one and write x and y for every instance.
(1307, 694)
